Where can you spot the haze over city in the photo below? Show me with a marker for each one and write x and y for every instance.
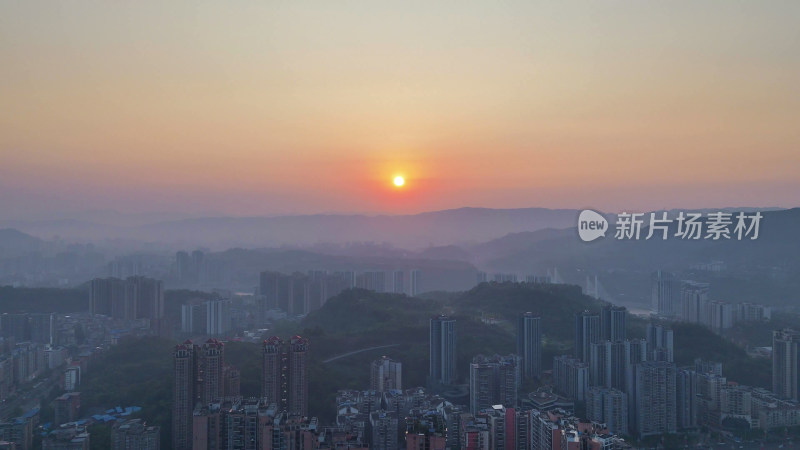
(363, 225)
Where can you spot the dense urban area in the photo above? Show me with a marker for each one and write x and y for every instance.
(389, 357)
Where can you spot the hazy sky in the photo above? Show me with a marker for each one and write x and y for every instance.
(253, 108)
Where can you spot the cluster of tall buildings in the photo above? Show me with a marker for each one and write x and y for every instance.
(208, 411)
(442, 349)
(190, 267)
(23, 362)
(27, 349)
(425, 421)
(236, 423)
(497, 417)
(666, 294)
(627, 384)
(415, 419)
(633, 385)
(35, 327)
(201, 377)
(299, 293)
(433, 423)
(705, 397)
(500, 277)
(208, 318)
(129, 299)
(688, 301)
(394, 281)
(492, 379)
(384, 420)
(371, 419)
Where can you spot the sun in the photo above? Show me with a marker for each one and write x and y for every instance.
(399, 181)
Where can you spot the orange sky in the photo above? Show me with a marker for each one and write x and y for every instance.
(269, 108)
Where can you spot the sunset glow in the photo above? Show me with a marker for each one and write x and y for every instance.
(274, 108)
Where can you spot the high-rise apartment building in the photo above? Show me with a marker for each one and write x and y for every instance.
(686, 399)
(785, 347)
(721, 315)
(210, 360)
(284, 374)
(529, 344)
(251, 424)
(218, 317)
(35, 327)
(268, 291)
(571, 377)
(493, 381)
(183, 401)
(372, 280)
(43, 328)
(194, 318)
(190, 268)
(297, 373)
(694, 302)
(132, 298)
(708, 395)
(666, 291)
(609, 406)
(587, 332)
(414, 286)
(398, 282)
(111, 297)
(655, 398)
(660, 342)
(299, 293)
(442, 350)
(200, 378)
(613, 322)
(384, 430)
(607, 364)
(385, 375)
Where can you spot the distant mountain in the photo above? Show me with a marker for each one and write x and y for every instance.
(517, 242)
(13, 242)
(765, 270)
(407, 231)
(417, 231)
(778, 245)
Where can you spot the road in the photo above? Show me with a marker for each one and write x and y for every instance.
(345, 355)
